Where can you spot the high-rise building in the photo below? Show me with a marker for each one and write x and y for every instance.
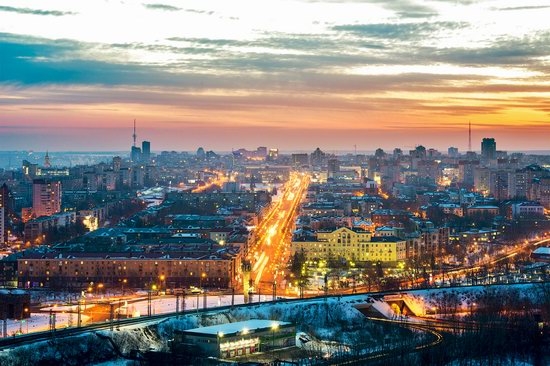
(7, 205)
(261, 151)
(317, 157)
(29, 169)
(2, 225)
(136, 154)
(47, 163)
(201, 154)
(333, 166)
(117, 163)
(488, 149)
(300, 159)
(452, 152)
(46, 197)
(145, 151)
(273, 154)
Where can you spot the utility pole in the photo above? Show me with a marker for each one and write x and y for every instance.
(149, 299)
(79, 317)
(111, 314)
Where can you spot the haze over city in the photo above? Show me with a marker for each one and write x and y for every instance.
(296, 74)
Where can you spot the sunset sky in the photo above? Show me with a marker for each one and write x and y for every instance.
(293, 74)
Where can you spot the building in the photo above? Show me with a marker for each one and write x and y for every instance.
(135, 154)
(171, 269)
(36, 229)
(273, 154)
(14, 304)
(488, 210)
(541, 254)
(3, 236)
(349, 244)
(527, 210)
(474, 236)
(386, 217)
(387, 249)
(300, 159)
(240, 338)
(488, 149)
(145, 151)
(46, 197)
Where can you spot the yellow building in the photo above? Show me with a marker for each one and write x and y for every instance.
(387, 249)
(352, 244)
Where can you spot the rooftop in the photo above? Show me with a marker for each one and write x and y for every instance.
(385, 239)
(542, 250)
(243, 327)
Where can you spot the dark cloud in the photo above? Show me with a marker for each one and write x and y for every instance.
(399, 31)
(515, 8)
(161, 7)
(55, 13)
(402, 8)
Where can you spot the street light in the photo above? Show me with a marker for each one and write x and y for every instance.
(161, 278)
(219, 336)
(274, 327)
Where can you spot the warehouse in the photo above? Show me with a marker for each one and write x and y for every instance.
(241, 338)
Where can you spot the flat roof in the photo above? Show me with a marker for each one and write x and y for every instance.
(234, 328)
(542, 250)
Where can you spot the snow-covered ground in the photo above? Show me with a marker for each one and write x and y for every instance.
(39, 322)
(167, 304)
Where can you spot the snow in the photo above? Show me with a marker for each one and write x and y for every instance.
(73, 308)
(39, 322)
(542, 250)
(236, 327)
(167, 304)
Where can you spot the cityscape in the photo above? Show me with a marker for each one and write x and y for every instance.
(287, 183)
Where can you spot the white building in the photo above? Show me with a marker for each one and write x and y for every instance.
(527, 209)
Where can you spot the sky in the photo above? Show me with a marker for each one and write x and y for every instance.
(292, 74)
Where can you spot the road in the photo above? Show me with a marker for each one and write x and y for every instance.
(216, 181)
(269, 252)
(491, 261)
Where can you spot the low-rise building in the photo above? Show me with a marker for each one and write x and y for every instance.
(527, 210)
(35, 229)
(240, 338)
(344, 242)
(76, 270)
(351, 245)
(14, 304)
(541, 254)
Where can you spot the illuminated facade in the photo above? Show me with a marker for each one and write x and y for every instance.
(140, 270)
(241, 338)
(46, 197)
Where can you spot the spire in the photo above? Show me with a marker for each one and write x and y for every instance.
(134, 135)
(47, 163)
(469, 135)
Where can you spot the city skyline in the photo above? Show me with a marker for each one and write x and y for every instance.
(293, 74)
